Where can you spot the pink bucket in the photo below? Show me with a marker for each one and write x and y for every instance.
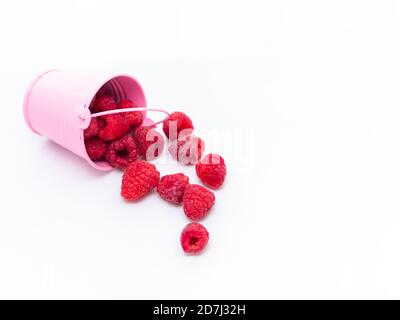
(56, 105)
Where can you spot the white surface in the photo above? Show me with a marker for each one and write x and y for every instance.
(301, 97)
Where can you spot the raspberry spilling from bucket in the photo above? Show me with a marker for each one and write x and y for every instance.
(187, 150)
(176, 122)
(197, 202)
(150, 142)
(123, 141)
(139, 179)
(212, 170)
(172, 187)
(122, 152)
(194, 238)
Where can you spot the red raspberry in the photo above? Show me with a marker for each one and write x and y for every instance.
(112, 127)
(95, 148)
(177, 121)
(150, 142)
(194, 238)
(92, 130)
(212, 170)
(197, 201)
(131, 118)
(139, 178)
(172, 187)
(122, 152)
(187, 150)
(102, 92)
(104, 103)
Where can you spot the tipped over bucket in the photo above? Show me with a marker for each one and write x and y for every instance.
(56, 106)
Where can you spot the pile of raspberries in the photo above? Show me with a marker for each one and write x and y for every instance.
(122, 141)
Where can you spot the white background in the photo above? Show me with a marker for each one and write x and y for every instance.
(302, 99)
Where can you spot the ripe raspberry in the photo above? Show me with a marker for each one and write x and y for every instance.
(172, 187)
(194, 238)
(112, 127)
(92, 130)
(104, 103)
(150, 142)
(122, 152)
(197, 201)
(139, 178)
(187, 150)
(102, 92)
(212, 170)
(95, 148)
(131, 118)
(177, 121)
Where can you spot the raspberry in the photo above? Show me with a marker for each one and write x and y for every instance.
(150, 142)
(197, 201)
(212, 170)
(177, 121)
(95, 148)
(131, 118)
(92, 130)
(194, 238)
(104, 103)
(102, 92)
(187, 150)
(172, 187)
(122, 152)
(112, 127)
(139, 178)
